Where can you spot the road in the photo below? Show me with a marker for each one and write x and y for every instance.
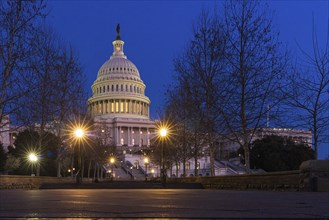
(161, 203)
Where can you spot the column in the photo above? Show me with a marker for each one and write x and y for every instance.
(147, 136)
(128, 136)
(139, 134)
(119, 129)
(117, 135)
(104, 107)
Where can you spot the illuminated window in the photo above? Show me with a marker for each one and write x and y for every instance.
(112, 107)
(127, 107)
(121, 107)
(133, 141)
(122, 141)
(116, 106)
(187, 165)
(198, 165)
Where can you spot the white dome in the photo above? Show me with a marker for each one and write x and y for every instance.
(118, 68)
(118, 90)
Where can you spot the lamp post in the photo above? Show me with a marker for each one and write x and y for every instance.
(112, 160)
(33, 158)
(163, 132)
(79, 135)
(146, 161)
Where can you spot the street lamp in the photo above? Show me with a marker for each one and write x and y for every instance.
(33, 158)
(163, 133)
(79, 135)
(112, 160)
(146, 162)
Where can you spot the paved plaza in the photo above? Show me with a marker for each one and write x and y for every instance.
(162, 203)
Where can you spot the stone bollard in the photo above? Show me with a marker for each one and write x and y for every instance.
(314, 176)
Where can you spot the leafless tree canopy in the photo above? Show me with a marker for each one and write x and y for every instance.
(231, 70)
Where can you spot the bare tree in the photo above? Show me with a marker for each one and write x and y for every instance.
(254, 69)
(199, 70)
(309, 93)
(18, 21)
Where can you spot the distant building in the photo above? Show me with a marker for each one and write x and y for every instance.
(227, 148)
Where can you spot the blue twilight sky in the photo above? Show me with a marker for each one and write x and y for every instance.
(155, 32)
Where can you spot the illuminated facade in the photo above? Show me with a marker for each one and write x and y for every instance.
(226, 148)
(120, 110)
(118, 103)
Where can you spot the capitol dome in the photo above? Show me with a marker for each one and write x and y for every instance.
(118, 90)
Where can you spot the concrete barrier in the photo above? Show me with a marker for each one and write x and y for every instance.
(276, 181)
(31, 182)
(314, 176)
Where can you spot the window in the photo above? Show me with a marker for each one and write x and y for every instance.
(121, 88)
(126, 88)
(122, 141)
(187, 165)
(108, 88)
(103, 88)
(117, 88)
(112, 88)
(112, 107)
(131, 88)
(121, 107)
(116, 106)
(127, 107)
(133, 141)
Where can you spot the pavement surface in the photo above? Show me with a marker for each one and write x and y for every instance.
(162, 203)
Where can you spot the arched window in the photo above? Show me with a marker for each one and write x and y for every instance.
(117, 89)
(103, 88)
(108, 88)
(112, 88)
(121, 88)
(126, 88)
(134, 88)
(131, 88)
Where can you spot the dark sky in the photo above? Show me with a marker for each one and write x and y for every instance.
(155, 32)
